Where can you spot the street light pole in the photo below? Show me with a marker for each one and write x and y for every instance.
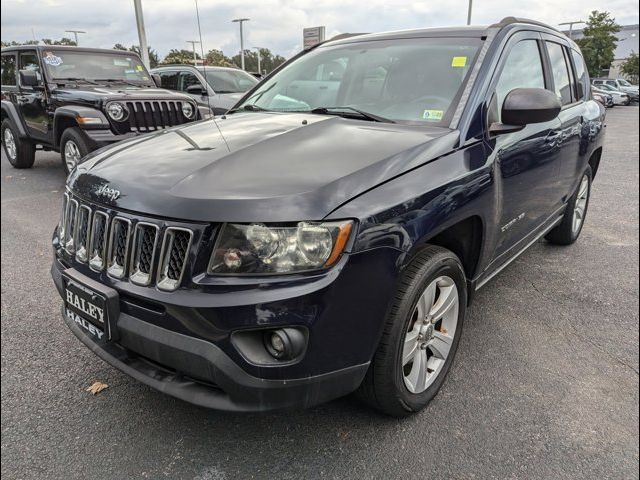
(142, 35)
(75, 34)
(257, 49)
(571, 24)
(241, 21)
(469, 12)
(193, 44)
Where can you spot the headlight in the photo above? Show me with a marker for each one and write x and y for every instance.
(187, 109)
(116, 111)
(262, 249)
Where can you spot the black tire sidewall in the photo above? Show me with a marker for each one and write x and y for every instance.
(447, 265)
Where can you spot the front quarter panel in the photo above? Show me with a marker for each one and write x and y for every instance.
(407, 211)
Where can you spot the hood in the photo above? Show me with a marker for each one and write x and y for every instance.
(96, 93)
(266, 167)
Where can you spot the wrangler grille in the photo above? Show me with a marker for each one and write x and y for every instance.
(149, 116)
(124, 247)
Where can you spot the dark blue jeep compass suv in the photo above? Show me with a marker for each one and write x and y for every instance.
(328, 233)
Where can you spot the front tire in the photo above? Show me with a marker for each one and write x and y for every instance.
(568, 231)
(74, 146)
(421, 335)
(20, 153)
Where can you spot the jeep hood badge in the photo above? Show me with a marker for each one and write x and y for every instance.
(106, 191)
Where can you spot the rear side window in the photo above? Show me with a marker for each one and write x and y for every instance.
(8, 69)
(169, 80)
(560, 72)
(581, 74)
(522, 69)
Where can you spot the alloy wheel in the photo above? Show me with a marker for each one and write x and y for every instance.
(71, 155)
(430, 334)
(581, 204)
(10, 144)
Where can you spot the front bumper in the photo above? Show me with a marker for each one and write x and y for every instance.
(198, 362)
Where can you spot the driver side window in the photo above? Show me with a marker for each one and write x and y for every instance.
(522, 69)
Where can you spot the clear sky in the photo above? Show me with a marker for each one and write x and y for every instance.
(275, 24)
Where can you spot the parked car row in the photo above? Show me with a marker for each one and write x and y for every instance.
(614, 91)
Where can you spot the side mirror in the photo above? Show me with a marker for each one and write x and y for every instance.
(523, 106)
(197, 90)
(29, 78)
(157, 79)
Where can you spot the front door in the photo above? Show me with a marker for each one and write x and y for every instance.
(528, 161)
(32, 100)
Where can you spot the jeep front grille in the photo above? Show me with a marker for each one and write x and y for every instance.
(145, 239)
(175, 247)
(149, 116)
(124, 246)
(98, 243)
(82, 231)
(118, 247)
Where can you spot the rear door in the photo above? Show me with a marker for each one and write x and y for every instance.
(527, 161)
(571, 115)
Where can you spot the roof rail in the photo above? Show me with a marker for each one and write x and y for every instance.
(511, 20)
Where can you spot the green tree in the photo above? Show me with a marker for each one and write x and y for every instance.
(630, 67)
(216, 58)
(154, 60)
(599, 42)
(180, 56)
(62, 41)
(268, 61)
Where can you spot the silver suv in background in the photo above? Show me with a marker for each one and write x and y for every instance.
(216, 87)
(620, 84)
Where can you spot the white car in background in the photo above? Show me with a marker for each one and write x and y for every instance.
(620, 84)
(619, 98)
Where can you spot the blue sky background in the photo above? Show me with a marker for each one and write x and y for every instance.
(275, 24)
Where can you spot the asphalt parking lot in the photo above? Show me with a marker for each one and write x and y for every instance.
(545, 384)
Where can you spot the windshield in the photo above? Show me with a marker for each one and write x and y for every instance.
(94, 66)
(624, 83)
(229, 81)
(408, 80)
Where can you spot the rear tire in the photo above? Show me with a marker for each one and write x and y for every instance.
(568, 231)
(434, 282)
(74, 146)
(20, 153)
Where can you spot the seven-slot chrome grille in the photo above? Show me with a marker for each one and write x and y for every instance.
(149, 116)
(124, 247)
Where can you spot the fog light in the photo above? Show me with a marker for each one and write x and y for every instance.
(285, 343)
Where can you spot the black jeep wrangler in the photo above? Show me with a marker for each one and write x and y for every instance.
(75, 100)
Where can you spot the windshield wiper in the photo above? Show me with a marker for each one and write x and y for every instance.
(75, 79)
(117, 80)
(350, 111)
(248, 108)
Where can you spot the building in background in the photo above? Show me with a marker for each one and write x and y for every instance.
(627, 43)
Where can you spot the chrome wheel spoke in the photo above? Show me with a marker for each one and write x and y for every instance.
(440, 345)
(410, 346)
(425, 302)
(417, 378)
(447, 300)
(581, 204)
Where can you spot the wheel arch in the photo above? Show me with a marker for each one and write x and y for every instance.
(594, 161)
(464, 238)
